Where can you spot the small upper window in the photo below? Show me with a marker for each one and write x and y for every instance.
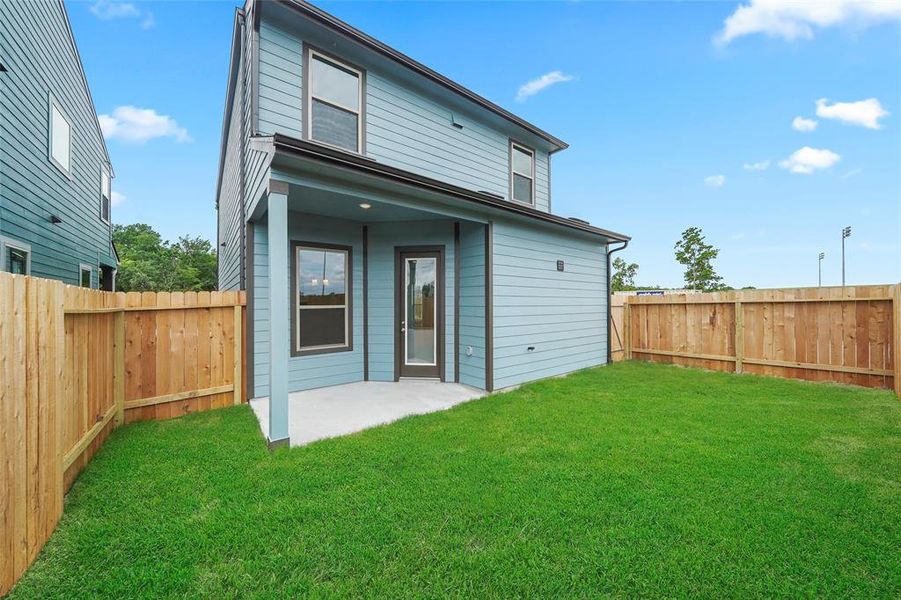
(60, 139)
(522, 169)
(335, 103)
(105, 193)
(86, 271)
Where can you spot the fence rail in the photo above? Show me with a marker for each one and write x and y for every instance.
(75, 364)
(844, 334)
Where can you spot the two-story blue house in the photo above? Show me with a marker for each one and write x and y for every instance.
(389, 223)
(55, 173)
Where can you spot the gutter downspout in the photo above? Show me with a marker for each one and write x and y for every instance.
(609, 297)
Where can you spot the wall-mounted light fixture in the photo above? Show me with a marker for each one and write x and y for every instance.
(365, 205)
(54, 219)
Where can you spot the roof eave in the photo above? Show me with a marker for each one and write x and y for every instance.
(339, 26)
(318, 152)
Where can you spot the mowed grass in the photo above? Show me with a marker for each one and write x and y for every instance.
(636, 479)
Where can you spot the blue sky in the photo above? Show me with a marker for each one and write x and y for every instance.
(670, 123)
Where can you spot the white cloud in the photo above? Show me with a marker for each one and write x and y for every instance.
(715, 180)
(113, 9)
(536, 85)
(802, 124)
(138, 125)
(762, 165)
(117, 198)
(807, 160)
(865, 113)
(792, 20)
(148, 21)
(852, 173)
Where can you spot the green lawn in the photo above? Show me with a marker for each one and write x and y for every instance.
(637, 479)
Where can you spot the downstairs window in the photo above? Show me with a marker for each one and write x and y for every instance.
(322, 308)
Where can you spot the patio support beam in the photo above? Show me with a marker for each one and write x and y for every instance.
(279, 312)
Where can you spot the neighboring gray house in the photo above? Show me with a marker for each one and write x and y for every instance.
(55, 172)
(389, 223)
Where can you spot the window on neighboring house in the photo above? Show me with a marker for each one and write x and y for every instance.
(60, 139)
(105, 193)
(335, 100)
(522, 173)
(86, 271)
(16, 257)
(322, 298)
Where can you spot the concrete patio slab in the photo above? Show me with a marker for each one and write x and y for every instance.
(342, 409)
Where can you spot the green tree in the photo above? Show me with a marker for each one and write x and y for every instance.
(195, 267)
(697, 256)
(623, 277)
(149, 263)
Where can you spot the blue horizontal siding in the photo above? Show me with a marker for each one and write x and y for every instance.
(472, 304)
(563, 315)
(308, 372)
(41, 59)
(383, 239)
(404, 127)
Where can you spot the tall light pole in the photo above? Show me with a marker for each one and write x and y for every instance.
(846, 233)
(820, 269)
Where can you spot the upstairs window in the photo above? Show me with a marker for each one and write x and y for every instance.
(334, 102)
(105, 193)
(60, 139)
(522, 173)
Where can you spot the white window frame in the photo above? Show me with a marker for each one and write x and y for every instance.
(514, 146)
(308, 104)
(298, 307)
(6, 244)
(82, 267)
(51, 105)
(105, 170)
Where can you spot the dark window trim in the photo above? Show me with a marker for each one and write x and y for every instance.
(511, 146)
(348, 286)
(440, 310)
(308, 50)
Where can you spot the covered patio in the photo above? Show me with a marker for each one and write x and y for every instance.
(343, 409)
(361, 289)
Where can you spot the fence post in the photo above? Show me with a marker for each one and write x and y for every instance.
(627, 329)
(239, 384)
(739, 336)
(896, 337)
(119, 366)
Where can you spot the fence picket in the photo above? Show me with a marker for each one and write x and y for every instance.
(822, 334)
(71, 360)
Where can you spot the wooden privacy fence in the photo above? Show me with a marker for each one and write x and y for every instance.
(843, 334)
(75, 364)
